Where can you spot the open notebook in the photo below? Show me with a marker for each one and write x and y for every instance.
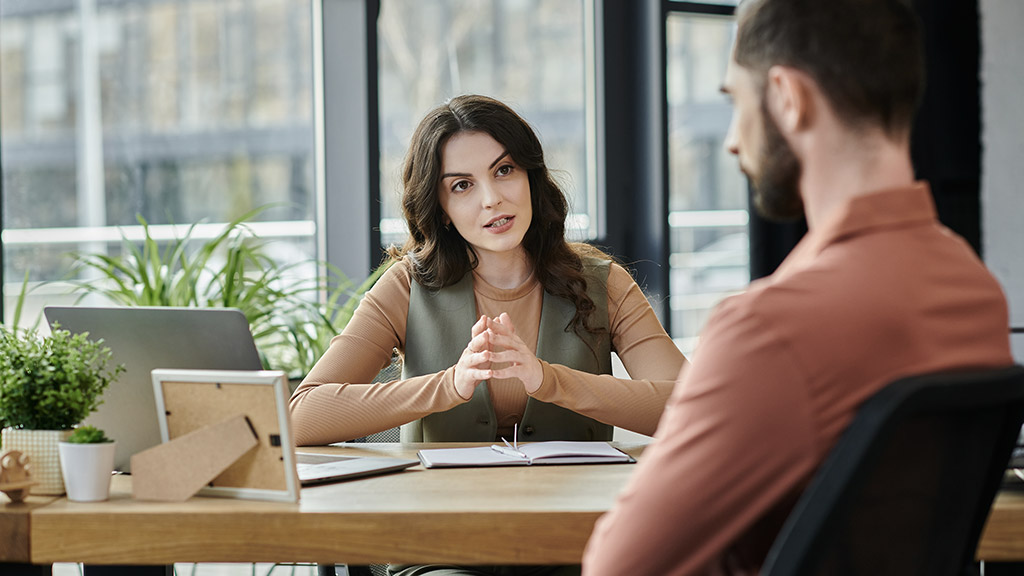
(554, 452)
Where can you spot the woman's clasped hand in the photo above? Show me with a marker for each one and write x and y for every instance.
(496, 351)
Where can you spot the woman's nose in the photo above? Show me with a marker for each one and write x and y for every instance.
(491, 196)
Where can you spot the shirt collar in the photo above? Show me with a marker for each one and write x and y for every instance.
(887, 208)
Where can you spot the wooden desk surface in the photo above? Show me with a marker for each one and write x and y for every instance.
(1002, 540)
(540, 514)
(511, 515)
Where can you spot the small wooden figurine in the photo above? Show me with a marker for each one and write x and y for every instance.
(15, 475)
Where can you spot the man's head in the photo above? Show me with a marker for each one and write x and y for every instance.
(864, 57)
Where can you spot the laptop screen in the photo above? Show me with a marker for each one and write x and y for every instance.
(145, 338)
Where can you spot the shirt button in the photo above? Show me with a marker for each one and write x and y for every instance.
(528, 430)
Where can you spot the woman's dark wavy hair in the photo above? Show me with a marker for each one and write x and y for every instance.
(440, 256)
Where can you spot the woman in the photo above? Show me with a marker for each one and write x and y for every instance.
(499, 320)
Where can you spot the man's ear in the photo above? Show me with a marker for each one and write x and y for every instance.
(789, 98)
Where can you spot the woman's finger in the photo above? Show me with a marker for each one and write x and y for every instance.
(479, 327)
(504, 341)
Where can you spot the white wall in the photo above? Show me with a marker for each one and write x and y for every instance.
(1002, 180)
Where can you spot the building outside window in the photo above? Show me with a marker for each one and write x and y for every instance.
(183, 111)
(531, 54)
(178, 111)
(709, 242)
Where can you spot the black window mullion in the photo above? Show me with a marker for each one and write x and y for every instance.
(636, 143)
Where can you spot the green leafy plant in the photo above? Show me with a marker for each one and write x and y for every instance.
(304, 335)
(51, 382)
(183, 275)
(19, 303)
(291, 327)
(88, 435)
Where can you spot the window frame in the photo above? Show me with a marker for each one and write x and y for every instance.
(627, 148)
(347, 236)
(636, 138)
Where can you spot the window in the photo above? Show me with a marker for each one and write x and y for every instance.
(708, 215)
(531, 54)
(175, 110)
(189, 110)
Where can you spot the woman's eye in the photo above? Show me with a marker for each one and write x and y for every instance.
(460, 186)
(505, 170)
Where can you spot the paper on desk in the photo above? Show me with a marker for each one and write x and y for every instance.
(555, 452)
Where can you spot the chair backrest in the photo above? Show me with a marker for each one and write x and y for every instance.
(392, 371)
(908, 487)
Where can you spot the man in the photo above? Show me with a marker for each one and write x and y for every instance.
(824, 93)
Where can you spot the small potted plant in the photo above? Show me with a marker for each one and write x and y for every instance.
(86, 463)
(48, 384)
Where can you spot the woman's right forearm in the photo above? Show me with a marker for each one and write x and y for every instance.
(324, 413)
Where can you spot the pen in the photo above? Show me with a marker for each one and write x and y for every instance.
(508, 451)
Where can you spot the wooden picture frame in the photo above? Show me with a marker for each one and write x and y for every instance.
(192, 400)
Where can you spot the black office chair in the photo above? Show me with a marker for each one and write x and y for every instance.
(908, 487)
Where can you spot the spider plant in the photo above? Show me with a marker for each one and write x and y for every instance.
(303, 336)
(19, 305)
(231, 270)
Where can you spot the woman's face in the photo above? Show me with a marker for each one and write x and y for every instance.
(484, 193)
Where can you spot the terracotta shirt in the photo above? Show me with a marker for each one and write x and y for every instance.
(879, 292)
(334, 403)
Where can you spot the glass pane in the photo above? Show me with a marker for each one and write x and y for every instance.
(715, 2)
(707, 192)
(527, 53)
(185, 111)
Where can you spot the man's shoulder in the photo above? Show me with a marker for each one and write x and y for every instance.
(772, 296)
(791, 306)
(875, 288)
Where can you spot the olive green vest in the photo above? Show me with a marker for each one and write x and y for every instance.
(438, 328)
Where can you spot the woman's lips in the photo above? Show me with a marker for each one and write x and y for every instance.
(500, 224)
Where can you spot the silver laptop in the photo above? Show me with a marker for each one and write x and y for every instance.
(144, 338)
(323, 468)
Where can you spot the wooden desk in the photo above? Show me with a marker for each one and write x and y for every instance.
(14, 526)
(1002, 540)
(513, 515)
(541, 515)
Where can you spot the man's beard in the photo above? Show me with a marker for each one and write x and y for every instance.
(777, 180)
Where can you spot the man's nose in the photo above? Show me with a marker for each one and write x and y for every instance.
(731, 143)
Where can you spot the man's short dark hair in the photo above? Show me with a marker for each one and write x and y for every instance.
(866, 56)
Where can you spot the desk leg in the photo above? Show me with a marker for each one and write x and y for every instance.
(129, 570)
(1002, 568)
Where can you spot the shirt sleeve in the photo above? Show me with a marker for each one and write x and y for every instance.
(650, 357)
(735, 440)
(336, 401)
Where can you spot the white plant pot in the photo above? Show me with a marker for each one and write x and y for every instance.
(87, 469)
(43, 456)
